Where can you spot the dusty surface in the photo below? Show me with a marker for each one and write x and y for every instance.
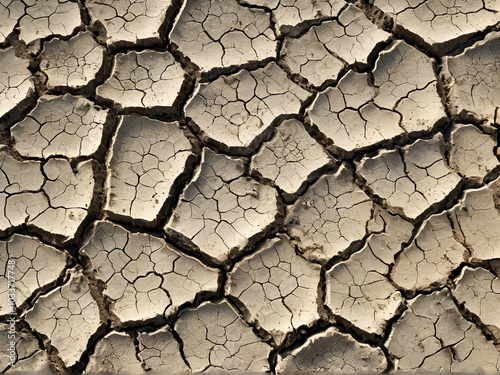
(249, 186)
(65, 125)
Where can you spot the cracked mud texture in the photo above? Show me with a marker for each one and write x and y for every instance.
(439, 22)
(432, 255)
(476, 79)
(277, 287)
(324, 50)
(29, 356)
(147, 158)
(119, 351)
(398, 97)
(215, 337)
(16, 83)
(67, 316)
(249, 186)
(472, 151)
(144, 79)
(144, 277)
(293, 12)
(160, 352)
(51, 196)
(412, 178)
(331, 215)
(221, 211)
(432, 335)
(332, 352)
(133, 21)
(65, 125)
(40, 266)
(478, 291)
(43, 18)
(237, 110)
(290, 157)
(222, 33)
(71, 63)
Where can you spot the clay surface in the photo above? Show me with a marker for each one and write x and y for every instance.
(249, 186)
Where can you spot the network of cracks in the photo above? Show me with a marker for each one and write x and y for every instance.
(256, 186)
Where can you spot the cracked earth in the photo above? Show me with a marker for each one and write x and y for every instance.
(250, 186)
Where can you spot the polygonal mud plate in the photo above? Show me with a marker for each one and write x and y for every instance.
(143, 80)
(221, 213)
(221, 33)
(410, 179)
(51, 197)
(324, 50)
(146, 161)
(235, 112)
(363, 109)
(65, 125)
(332, 352)
(44, 18)
(476, 79)
(216, 338)
(36, 267)
(72, 63)
(68, 316)
(330, 216)
(16, 84)
(129, 21)
(441, 23)
(277, 287)
(290, 157)
(432, 335)
(144, 277)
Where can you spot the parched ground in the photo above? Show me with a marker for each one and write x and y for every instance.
(249, 186)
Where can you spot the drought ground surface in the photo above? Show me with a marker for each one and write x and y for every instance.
(256, 186)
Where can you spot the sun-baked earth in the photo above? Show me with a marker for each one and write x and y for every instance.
(249, 186)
